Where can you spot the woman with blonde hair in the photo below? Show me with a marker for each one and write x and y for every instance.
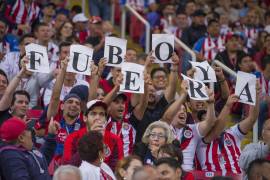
(157, 134)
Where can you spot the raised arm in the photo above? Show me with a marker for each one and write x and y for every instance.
(172, 110)
(171, 89)
(140, 108)
(7, 96)
(206, 125)
(96, 72)
(113, 93)
(222, 119)
(55, 99)
(224, 87)
(247, 124)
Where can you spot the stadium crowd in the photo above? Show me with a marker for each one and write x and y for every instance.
(65, 126)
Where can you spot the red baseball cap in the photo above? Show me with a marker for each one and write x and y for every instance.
(12, 128)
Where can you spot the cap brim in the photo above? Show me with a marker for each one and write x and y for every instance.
(98, 103)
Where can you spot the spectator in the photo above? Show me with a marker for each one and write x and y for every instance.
(196, 30)
(210, 45)
(43, 36)
(259, 169)
(60, 18)
(8, 42)
(155, 104)
(131, 55)
(91, 150)
(95, 119)
(255, 151)
(67, 172)
(18, 157)
(80, 23)
(20, 14)
(65, 33)
(258, 57)
(47, 14)
(11, 61)
(231, 139)
(3, 83)
(125, 167)
(70, 80)
(189, 134)
(169, 168)
(157, 134)
(226, 9)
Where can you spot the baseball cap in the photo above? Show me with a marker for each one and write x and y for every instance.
(71, 95)
(79, 18)
(94, 103)
(199, 12)
(12, 128)
(81, 91)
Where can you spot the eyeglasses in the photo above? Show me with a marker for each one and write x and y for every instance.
(159, 77)
(155, 135)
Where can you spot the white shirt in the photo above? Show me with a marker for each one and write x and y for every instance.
(91, 172)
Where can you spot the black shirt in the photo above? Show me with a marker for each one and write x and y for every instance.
(4, 115)
(150, 116)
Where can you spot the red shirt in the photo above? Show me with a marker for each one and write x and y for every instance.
(113, 151)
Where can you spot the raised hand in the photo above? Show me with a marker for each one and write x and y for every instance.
(149, 61)
(101, 65)
(184, 86)
(53, 127)
(211, 95)
(175, 59)
(119, 79)
(231, 100)
(64, 63)
(219, 73)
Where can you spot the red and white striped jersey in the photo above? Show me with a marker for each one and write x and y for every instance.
(223, 153)
(189, 137)
(251, 34)
(265, 84)
(20, 14)
(212, 46)
(126, 132)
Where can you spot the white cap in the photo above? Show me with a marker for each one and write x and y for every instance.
(79, 18)
(96, 102)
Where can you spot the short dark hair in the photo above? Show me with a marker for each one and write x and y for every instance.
(2, 72)
(90, 145)
(23, 37)
(19, 92)
(124, 164)
(64, 44)
(36, 28)
(77, 9)
(173, 163)
(212, 21)
(253, 164)
(240, 56)
(153, 72)
(265, 61)
(173, 150)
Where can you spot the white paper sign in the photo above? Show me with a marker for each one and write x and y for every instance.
(196, 89)
(204, 72)
(80, 59)
(133, 80)
(38, 57)
(246, 87)
(163, 47)
(115, 51)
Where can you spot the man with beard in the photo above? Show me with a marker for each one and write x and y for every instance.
(155, 106)
(68, 114)
(189, 134)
